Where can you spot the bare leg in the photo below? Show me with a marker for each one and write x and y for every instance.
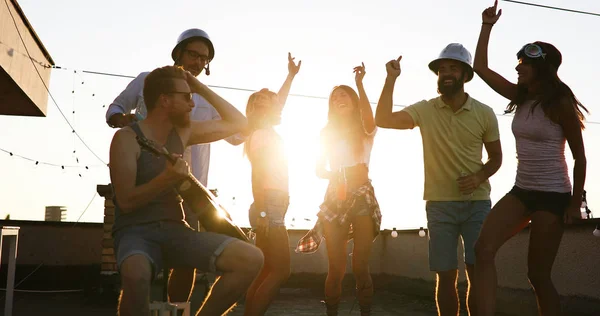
(136, 275)
(336, 238)
(470, 296)
(181, 284)
(276, 270)
(261, 243)
(240, 263)
(506, 219)
(446, 294)
(544, 239)
(363, 241)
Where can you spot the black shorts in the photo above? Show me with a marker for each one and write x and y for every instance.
(553, 202)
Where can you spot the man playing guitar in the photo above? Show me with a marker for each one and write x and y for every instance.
(150, 231)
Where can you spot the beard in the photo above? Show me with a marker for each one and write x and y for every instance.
(180, 120)
(448, 90)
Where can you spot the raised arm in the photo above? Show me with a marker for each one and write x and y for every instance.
(232, 121)
(124, 152)
(384, 116)
(363, 101)
(480, 64)
(293, 69)
(119, 111)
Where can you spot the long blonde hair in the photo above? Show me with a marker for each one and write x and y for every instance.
(256, 119)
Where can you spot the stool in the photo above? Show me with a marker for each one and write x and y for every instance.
(164, 307)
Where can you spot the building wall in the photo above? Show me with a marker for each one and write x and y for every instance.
(14, 60)
(56, 243)
(575, 272)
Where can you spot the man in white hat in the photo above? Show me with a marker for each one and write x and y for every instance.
(193, 51)
(454, 129)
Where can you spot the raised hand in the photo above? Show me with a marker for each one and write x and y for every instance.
(293, 68)
(393, 67)
(490, 16)
(573, 213)
(193, 82)
(468, 183)
(359, 73)
(121, 120)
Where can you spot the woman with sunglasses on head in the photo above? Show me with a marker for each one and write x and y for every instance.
(265, 151)
(350, 209)
(547, 115)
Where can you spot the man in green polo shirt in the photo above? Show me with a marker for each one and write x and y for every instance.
(454, 129)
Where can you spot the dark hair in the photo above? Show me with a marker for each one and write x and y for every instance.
(338, 129)
(556, 98)
(160, 81)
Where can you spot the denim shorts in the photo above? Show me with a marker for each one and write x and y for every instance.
(276, 206)
(553, 202)
(171, 244)
(446, 222)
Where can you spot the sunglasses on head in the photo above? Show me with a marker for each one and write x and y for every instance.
(531, 51)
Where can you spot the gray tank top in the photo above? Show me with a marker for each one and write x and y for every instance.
(540, 151)
(166, 206)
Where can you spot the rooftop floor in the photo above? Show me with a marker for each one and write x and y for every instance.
(301, 296)
(290, 302)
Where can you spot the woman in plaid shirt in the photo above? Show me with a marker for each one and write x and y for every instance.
(350, 209)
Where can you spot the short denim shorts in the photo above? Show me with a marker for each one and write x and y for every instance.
(171, 244)
(276, 206)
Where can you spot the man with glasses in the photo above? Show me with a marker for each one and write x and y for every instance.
(194, 51)
(149, 230)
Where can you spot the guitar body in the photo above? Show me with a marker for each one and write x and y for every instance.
(212, 216)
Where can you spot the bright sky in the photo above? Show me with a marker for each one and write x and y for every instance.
(252, 39)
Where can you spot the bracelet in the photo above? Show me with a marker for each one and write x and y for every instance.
(492, 24)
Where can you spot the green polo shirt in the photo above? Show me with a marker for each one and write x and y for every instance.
(452, 144)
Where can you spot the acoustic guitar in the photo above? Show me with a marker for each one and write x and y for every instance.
(212, 216)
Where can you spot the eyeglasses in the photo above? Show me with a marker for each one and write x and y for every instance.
(187, 96)
(195, 55)
(531, 51)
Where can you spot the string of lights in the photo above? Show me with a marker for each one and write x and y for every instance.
(552, 8)
(253, 90)
(46, 86)
(76, 135)
(40, 162)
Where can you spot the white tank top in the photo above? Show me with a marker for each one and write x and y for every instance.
(342, 154)
(540, 151)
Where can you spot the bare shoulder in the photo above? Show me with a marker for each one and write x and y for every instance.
(124, 134)
(124, 141)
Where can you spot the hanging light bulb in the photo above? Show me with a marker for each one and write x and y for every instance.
(421, 232)
(586, 213)
(597, 231)
(394, 233)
